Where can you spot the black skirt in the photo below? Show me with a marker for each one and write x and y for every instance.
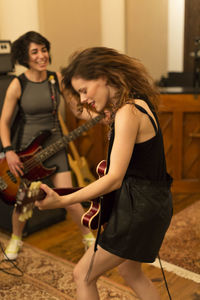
(140, 217)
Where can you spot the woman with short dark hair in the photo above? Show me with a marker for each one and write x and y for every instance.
(36, 92)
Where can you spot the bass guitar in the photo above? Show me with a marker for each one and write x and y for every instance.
(32, 158)
(100, 209)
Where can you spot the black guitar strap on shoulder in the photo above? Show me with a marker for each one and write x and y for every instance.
(23, 81)
(17, 119)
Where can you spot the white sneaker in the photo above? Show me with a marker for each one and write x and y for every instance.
(13, 248)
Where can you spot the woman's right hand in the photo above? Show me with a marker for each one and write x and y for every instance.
(14, 163)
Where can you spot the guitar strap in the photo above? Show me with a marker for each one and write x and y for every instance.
(18, 119)
(54, 88)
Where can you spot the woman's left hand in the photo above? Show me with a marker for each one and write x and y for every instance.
(51, 201)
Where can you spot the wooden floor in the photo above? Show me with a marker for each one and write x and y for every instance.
(64, 239)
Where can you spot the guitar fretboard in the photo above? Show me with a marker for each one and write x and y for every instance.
(61, 143)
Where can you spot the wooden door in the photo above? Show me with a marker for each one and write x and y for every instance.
(192, 32)
(180, 122)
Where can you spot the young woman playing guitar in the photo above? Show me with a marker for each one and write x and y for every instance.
(103, 79)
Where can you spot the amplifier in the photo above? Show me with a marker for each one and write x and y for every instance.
(6, 64)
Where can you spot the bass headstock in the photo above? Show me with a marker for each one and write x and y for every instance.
(27, 194)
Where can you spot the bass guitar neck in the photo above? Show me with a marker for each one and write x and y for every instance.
(33, 157)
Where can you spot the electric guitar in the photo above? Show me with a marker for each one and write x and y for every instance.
(77, 163)
(28, 193)
(97, 215)
(100, 209)
(32, 157)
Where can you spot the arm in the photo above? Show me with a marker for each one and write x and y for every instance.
(12, 96)
(126, 130)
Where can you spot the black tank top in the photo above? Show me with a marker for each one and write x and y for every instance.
(148, 158)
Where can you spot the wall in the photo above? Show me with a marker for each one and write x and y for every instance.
(146, 28)
(17, 17)
(176, 13)
(69, 25)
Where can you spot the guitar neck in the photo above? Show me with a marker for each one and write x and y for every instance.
(25, 196)
(71, 144)
(61, 143)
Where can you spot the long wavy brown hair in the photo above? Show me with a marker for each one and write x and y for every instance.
(126, 74)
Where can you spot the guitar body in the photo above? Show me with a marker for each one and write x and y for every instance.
(9, 184)
(32, 157)
(103, 205)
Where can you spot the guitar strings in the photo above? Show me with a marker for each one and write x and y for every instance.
(32, 162)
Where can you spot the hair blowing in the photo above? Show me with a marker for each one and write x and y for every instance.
(126, 74)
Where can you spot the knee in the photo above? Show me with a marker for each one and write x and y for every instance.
(122, 271)
(79, 275)
(127, 271)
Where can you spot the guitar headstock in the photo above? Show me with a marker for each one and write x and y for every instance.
(26, 196)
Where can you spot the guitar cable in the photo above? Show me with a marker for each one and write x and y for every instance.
(162, 270)
(13, 264)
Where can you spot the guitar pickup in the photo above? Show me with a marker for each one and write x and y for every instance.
(12, 177)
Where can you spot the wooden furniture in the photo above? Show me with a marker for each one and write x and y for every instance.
(179, 113)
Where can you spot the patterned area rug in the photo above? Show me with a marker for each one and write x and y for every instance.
(47, 277)
(181, 245)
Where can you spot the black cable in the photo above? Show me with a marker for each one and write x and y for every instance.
(12, 263)
(164, 277)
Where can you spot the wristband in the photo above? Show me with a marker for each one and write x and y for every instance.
(8, 148)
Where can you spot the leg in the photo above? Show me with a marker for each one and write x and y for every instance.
(15, 242)
(103, 261)
(17, 226)
(76, 211)
(132, 272)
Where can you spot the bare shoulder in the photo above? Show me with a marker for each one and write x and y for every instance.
(143, 104)
(14, 88)
(127, 118)
(127, 111)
